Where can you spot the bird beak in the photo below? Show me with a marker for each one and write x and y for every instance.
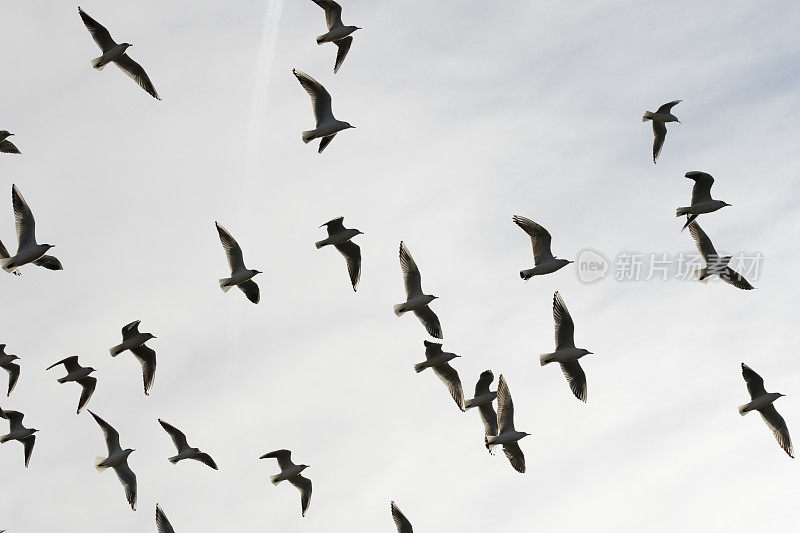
(590, 353)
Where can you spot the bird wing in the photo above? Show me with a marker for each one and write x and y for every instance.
(7, 147)
(411, 275)
(13, 376)
(325, 142)
(489, 418)
(576, 378)
(449, 376)
(26, 225)
(130, 330)
(485, 379)
(400, 520)
(430, 321)
(703, 243)
(137, 73)
(352, 255)
(777, 424)
(49, 262)
(284, 458)
(565, 327)
(14, 419)
(333, 12)
(128, 480)
(111, 434)
(515, 456)
(736, 279)
(178, 437)
(540, 239)
(251, 290)
(303, 484)
(232, 249)
(28, 443)
(147, 358)
(99, 32)
(320, 98)
(3, 251)
(505, 407)
(701, 191)
(660, 133)
(334, 226)
(70, 363)
(755, 383)
(206, 460)
(667, 108)
(88, 385)
(343, 46)
(162, 523)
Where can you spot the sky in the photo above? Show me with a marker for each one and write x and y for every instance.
(466, 114)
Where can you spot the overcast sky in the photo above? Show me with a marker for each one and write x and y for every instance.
(466, 113)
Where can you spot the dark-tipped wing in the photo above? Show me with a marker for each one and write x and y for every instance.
(400, 520)
(703, 243)
(162, 523)
(13, 376)
(320, 98)
(70, 363)
(430, 321)
(325, 142)
(515, 456)
(303, 484)
(98, 31)
(88, 385)
(49, 262)
(26, 225)
(343, 46)
(30, 441)
(576, 378)
(411, 275)
(111, 434)
(333, 12)
(284, 458)
(232, 249)
(701, 191)
(206, 460)
(505, 407)
(659, 134)
(130, 330)
(352, 255)
(334, 226)
(178, 437)
(736, 279)
(250, 289)
(128, 480)
(137, 73)
(540, 239)
(7, 147)
(777, 424)
(14, 419)
(755, 383)
(147, 358)
(449, 376)
(667, 108)
(485, 379)
(489, 418)
(565, 327)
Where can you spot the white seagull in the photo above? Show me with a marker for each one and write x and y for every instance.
(483, 401)
(184, 450)
(6, 146)
(400, 520)
(340, 237)
(660, 118)
(715, 264)
(327, 125)
(338, 33)
(7, 364)
(701, 198)
(543, 258)
(117, 54)
(566, 353)
(507, 436)
(19, 432)
(117, 459)
(762, 401)
(291, 472)
(28, 250)
(162, 523)
(134, 341)
(437, 359)
(241, 276)
(416, 301)
(80, 375)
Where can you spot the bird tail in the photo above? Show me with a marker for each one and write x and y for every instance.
(682, 211)
(224, 284)
(647, 116)
(62, 380)
(398, 309)
(116, 350)
(274, 479)
(173, 460)
(526, 274)
(489, 445)
(545, 358)
(689, 220)
(468, 404)
(98, 63)
(321, 39)
(320, 244)
(4, 438)
(419, 367)
(703, 276)
(308, 136)
(8, 264)
(98, 463)
(743, 410)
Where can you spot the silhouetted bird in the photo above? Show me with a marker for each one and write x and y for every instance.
(338, 33)
(400, 520)
(715, 264)
(660, 118)
(291, 472)
(7, 364)
(327, 125)
(117, 459)
(762, 401)
(566, 353)
(483, 401)
(19, 432)
(340, 237)
(28, 250)
(416, 301)
(184, 450)
(542, 256)
(241, 276)
(437, 359)
(701, 198)
(507, 435)
(134, 341)
(79, 375)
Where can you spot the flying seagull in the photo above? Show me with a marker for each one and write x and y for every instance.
(416, 301)
(117, 459)
(762, 401)
(400, 520)
(241, 276)
(28, 251)
(338, 33)
(7, 364)
(19, 432)
(715, 264)
(660, 118)
(437, 359)
(327, 125)
(701, 198)
(507, 435)
(542, 256)
(340, 237)
(184, 450)
(134, 341)
(566, 353)
(483, 401)
(116, 53)
(291, 472)
(6, 146)
(80, 375)
(162, 523)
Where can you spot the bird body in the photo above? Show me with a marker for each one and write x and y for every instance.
(701, 208)
(701, 198)
(77, 375)
(480, 400)
(28, 250)
(506, 438)
(6, 146)
(338, 238)
(545, 262)
(237, 278)
(415, 303)
(184, 450)
(563, 356)
(110, 56)
(336, 34)
(19, 433)
(759, 402)
(545, 268)
(134, 341)
(287, 474)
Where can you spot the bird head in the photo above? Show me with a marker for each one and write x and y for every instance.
(303, 467)
(150, 336)
(128, 452)
(359, 232)
(127, 45)
(257, 272)
(586, 352)
(348, 125)
(726, 204)
(48, 246)
(91, 369)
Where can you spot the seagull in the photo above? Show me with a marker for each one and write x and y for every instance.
(10, 367)
(116, 53)
(79, 375)
(6, 146)
(400, 520)
(28, 251)
(701, 198)
(327, 125)
(184, 450)
(340, 237)
(241, 276)
(542, 256)
(134, 341)
(436, 359)
(566, 353)
(338, 33)
(659, 118)
(416, 301)
(19, 432)
(762, 401)
(483, 401)
(117, 459)
(507, 436)
(291, 472)
(715, 264)
(162, 523)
